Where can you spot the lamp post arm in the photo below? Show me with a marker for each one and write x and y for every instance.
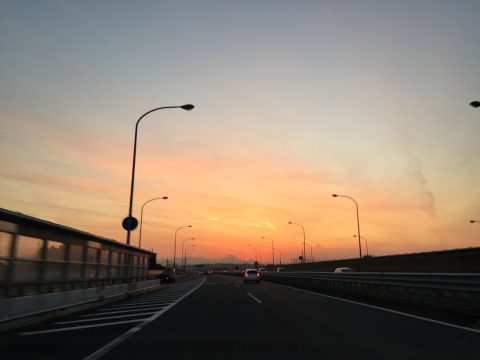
(134, 161)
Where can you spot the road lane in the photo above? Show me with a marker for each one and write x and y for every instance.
(221, 321)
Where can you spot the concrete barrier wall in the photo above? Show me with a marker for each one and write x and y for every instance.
(447, 261)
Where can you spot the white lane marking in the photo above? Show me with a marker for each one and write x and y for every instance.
(104, 318)
(254, 298)
(106, 348)
(139, 307)
(122, 311)
(142, 302)
(80, 327)
(236, 284)
(388, 310)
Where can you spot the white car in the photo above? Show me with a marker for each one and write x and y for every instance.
(251, 275)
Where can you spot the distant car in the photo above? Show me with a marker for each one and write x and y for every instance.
(281, 269)
(343, 270)
(251, 275)
(262, 269)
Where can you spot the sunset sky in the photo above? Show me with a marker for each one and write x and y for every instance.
(294, 101)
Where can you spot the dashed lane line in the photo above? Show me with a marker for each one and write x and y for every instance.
(254, 298)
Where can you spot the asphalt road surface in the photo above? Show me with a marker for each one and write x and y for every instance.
(219, 317)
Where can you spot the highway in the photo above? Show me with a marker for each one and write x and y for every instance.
(219, 317)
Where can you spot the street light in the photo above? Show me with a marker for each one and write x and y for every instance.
(175, 244)
(130, 223)
(191, 246)
(141, 217)
(358, 222)
(183, 242)
(273, 251)
(184, 255)
(292, 223)
(475, 104)
(474, 221)
(366, 243)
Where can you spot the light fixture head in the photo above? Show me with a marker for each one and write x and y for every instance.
(187, 107)
(475, 104)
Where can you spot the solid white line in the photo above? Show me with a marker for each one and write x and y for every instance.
(106, 348)
(104, 318)
(80, 327)
(254, 298)
(122, 311)
(388, 310)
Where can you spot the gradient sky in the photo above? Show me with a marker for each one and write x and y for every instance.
(295, 100)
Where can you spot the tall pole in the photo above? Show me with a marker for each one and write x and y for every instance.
(366, 243)
(183, 243)
(304, 252)
(273, 251)
(130, 223)
(141, 218)
(175, 244)
(358, 222)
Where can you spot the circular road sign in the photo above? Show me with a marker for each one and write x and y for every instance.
(130, 223)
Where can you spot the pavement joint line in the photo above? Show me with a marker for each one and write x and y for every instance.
(104, 318)
(438, 322)
(109, 346)
(28, 333)
(254, 298)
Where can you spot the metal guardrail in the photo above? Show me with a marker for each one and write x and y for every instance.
(455, 292)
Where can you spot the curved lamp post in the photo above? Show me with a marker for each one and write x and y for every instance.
(475, 104)
(130, 223)
(183, 243)
(141, 217)
(366, 243)
(474, 221)
(304, 253)
(175, 244)
(358, 222)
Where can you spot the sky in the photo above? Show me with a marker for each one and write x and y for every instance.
(294, 101)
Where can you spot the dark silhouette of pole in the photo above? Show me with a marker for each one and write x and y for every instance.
(183, 243)
(358, 222)
(475, 104)
(141, 217)
(366, 243)
(187, 107)
(304, 252)
(474, 221)
(175, 245)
